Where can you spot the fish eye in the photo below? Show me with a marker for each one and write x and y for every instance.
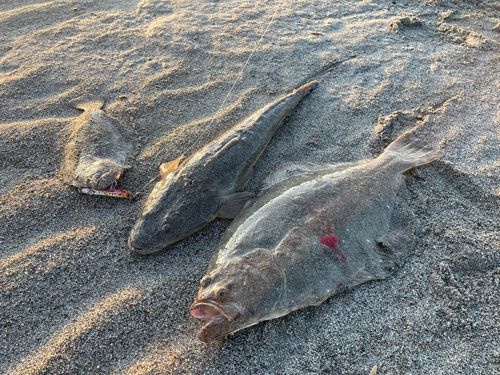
(220, 293)
(205, 281)
(167, 228)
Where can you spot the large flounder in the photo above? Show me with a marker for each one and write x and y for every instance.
(98, 148)
(310, 237)
(194, 192)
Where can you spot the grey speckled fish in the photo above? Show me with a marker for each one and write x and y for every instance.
(309, 237)
(98, 148)
(194, 192)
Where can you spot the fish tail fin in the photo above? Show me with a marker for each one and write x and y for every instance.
(87, 102)
(307, 88)
(408, 152)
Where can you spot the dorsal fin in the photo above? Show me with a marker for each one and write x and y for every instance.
(169, 168)
(86, 102)
(289, 170)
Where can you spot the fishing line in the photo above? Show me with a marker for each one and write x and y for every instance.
(239, 76)
(230, 90)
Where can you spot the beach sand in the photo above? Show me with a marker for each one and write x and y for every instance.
(75, 301)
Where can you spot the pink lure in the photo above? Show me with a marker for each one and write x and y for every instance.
(108, 193)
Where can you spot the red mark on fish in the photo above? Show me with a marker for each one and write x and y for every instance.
(332, 241)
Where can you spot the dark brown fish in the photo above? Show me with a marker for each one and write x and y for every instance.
(310, 237)
(194, 192)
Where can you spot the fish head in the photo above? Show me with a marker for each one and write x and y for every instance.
(172, 212)
(238, 294)
(96, 173)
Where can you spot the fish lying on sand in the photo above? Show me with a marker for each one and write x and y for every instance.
(309, 237)
(97, 151)
(195, 191)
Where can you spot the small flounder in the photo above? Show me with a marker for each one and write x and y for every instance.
(195, 191)
(98, 148)
(315, 232)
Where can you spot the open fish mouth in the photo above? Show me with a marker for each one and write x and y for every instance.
(208, 311)
(219, 323)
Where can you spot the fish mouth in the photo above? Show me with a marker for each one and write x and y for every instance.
(208, 311)
(150, 247)
(161, 243)
(143, 251)
(219, 323)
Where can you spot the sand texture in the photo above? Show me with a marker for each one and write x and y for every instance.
(72, 298)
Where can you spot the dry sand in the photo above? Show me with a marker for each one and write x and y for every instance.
(74, 301)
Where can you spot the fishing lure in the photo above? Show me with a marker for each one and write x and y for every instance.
(108, 193)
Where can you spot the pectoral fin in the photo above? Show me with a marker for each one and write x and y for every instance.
(233, 203)
(392, 248)
(168, 168)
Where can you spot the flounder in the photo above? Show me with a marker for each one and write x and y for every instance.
(98, 148)
(317, 231)
(195, 191)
